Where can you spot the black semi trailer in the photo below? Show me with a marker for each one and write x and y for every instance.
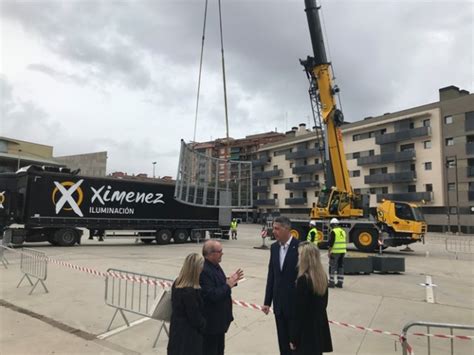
(54, 205)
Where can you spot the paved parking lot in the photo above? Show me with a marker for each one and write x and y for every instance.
(68, 319)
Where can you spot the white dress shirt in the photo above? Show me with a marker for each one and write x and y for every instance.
(283, 250)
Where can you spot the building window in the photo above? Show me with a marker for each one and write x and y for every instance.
(371, 153)
(450, 163)
(428, 166)
(357, 191)
(316, 177)
(355, 155)
(291, 194)
(449, 142)
(385, 190)
(448, 119)
(316, 193)
(291, 165)
(410, 146)
(355, 137)
(426, 123)
(411, 188)
(355, 173)
(275, 196)
(316, 161)
(427, 144)
(412, 125)
(429, 187)
(453, 210)
(291, 179)
(305, 194)
(451, 186)
(384, 170)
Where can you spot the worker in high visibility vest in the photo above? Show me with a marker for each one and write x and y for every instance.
(233, 229)
(337, 251)
(312, 236)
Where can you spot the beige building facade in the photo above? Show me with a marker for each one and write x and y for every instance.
(423, 154)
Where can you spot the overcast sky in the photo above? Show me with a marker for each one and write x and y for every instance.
(121, 76)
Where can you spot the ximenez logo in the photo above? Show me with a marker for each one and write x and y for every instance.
(2, 198)
(67, 196)
(119, 196)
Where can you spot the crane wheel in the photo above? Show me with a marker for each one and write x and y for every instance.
(365, 239)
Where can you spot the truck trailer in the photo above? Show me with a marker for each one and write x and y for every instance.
(52, 204)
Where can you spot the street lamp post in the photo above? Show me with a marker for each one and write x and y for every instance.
(19, 158)
(154, 164)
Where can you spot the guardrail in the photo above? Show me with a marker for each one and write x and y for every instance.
(33, 263)
(198, 235)
(459, 245)
(403, 337)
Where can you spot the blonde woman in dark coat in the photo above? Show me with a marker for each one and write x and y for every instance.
(187, 320)
(310, 333)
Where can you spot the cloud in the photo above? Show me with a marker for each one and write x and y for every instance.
(129, 68)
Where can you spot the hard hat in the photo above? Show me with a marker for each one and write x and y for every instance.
(312, 223)
(334, 221)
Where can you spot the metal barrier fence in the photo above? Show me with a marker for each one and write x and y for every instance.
(459, 245)
(199, 235)
(33, 263)
(428, 325)
(2, 256)
(132, 292)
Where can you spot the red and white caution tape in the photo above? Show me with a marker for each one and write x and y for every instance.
(239, 303)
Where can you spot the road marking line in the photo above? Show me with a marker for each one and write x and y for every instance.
(429, 290)
(122, 328)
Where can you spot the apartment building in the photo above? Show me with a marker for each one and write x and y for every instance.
(423, 154)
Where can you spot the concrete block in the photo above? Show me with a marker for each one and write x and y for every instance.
(385, 264)
(357, 265)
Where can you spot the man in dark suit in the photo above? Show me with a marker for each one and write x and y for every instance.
(281, 280)
(216, 293)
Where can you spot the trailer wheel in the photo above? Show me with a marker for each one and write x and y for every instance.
(163, 236)
(180, 235)
(197, 235)
(65, 237)
(365, 239)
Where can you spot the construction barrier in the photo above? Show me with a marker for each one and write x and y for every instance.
(199, 235)
(33, 263)
(407, 348)
(459, 245)
(135, 293)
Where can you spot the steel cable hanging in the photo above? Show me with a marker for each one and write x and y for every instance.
(200, 71)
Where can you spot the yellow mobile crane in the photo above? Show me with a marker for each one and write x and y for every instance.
(395, 223)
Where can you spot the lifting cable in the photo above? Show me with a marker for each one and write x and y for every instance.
(223, 74)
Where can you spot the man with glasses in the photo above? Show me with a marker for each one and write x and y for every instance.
(216, 291)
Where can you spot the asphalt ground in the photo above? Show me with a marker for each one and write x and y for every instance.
(73, 317)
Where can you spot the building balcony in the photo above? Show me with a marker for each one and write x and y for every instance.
(405, 176)
(308, 169)
(268, 174)
(261, 161)
(469, 125)
(265, 188)
(470, 148)
(403, 135)
(302, 185)
(407, 196)
(387, 158)
(470, 171)
(303, 153)
(296, 201)
(470, 195)
(266, 202)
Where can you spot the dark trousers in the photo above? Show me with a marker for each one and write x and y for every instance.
(213, 344)
(336, 263)
(283, 331)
